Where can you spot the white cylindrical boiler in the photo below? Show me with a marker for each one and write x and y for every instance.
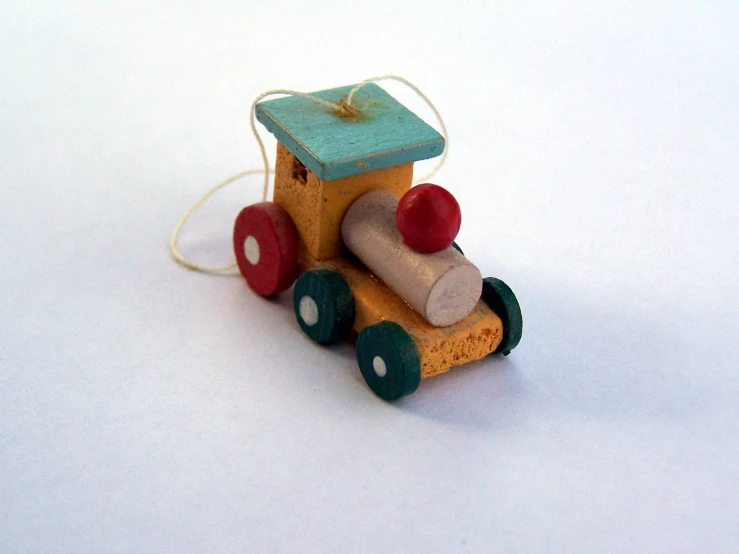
(444, 287)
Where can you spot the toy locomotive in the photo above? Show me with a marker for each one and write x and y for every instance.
(371, 255)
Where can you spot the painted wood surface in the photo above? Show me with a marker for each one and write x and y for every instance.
(389, 360)
(317, 207)
(428, 218)
(384, 134)
(501, 299)
(265, 243)
(324, 306)
(442, 286)
(439, 348)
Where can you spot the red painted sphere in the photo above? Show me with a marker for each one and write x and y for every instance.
(428, 218)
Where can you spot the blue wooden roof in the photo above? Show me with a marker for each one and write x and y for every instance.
(385, 133)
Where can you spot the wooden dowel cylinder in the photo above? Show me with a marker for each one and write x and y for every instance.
(443, 286)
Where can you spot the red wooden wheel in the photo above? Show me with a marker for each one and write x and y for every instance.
(266, 247)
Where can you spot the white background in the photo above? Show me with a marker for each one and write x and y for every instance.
(146, 408)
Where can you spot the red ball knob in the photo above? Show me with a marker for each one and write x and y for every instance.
(428, 218)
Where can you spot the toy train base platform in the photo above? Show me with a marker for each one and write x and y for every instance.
(396, 347)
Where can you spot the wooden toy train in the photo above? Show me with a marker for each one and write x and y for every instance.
(370, 254)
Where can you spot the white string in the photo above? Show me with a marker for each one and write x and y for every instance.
(179, 258)
(253, 124)
(430, 104)
(345, 108)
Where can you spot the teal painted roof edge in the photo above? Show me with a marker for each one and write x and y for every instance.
(328, 171)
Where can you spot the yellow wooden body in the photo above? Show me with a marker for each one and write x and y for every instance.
(317, 207)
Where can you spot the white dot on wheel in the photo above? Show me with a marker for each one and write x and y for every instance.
(308, 310)
(251, 249)
(378, 364)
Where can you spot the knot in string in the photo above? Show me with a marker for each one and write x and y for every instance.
(347, 110)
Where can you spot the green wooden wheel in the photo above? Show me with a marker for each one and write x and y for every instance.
(503, 302)
(389, 360)
(324, 305)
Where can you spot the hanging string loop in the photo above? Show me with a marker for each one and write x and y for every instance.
(343, 107)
